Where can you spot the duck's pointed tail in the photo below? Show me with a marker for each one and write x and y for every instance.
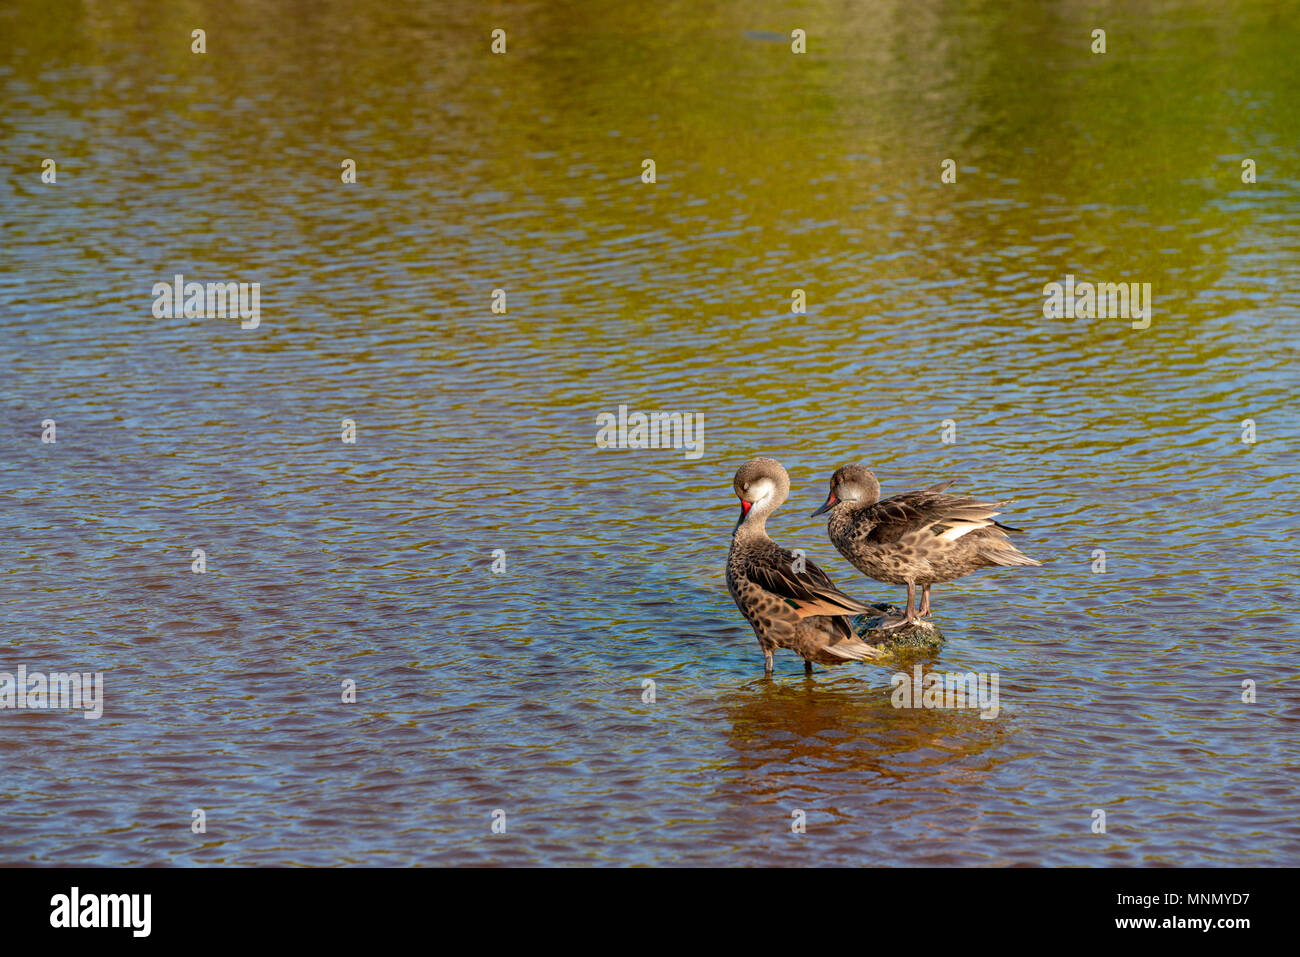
(832, 641)
(855, 651)
(1008, 555)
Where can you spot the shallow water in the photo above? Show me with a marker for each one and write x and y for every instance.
(522, 691)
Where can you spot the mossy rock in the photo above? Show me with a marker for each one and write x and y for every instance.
(911, 639)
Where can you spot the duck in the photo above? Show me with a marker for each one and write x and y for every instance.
(916, 539)
(787, 600)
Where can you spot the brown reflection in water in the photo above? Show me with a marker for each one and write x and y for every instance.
(837, 749)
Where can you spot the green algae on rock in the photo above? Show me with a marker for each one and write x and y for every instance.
(920, 636)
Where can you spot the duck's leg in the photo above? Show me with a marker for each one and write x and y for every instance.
(767, 662)
(911, 618)
(925, 601)
(807, 667)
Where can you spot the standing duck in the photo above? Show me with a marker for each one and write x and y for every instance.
(917, 538)
(789, 601)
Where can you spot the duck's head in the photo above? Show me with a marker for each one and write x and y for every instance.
(851, 483)
(761, 484)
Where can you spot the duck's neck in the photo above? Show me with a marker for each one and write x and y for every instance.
(842, 514)
(753, 526)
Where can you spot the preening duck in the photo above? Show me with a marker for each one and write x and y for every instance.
(789, 601)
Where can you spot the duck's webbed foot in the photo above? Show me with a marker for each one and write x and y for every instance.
(911, 617)
(924, 610)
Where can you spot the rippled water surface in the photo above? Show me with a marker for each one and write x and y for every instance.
(522, 691)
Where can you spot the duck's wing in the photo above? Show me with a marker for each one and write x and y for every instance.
(801, 584)
(946, 516)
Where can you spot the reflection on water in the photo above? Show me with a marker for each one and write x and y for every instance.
(523, 690)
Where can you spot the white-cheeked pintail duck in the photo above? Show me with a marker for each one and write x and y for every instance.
(789, 601)
(917, 538)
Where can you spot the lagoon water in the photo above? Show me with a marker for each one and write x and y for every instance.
(521, 690)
